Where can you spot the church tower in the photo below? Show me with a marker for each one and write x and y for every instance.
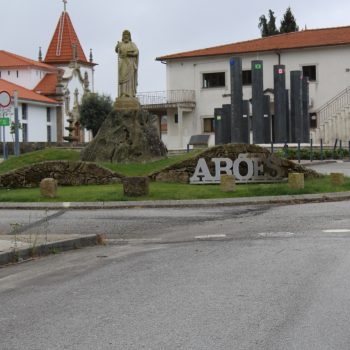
(75, 77)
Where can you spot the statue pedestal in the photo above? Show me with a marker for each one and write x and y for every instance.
(126, 103)
(127, 135)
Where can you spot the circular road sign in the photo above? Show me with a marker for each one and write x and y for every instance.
(5, 99)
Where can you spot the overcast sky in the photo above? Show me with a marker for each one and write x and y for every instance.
(158, 27)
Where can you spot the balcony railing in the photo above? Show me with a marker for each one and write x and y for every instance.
(169, 98)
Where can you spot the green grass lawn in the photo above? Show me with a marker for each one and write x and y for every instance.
(143, 169)
(37, 157)
(158, 191)
(164, 191)
(131, 169)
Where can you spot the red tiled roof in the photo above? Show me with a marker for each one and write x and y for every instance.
(23, 93)
(10, 60)
(47, 85)
(61, 47)
(295, 40)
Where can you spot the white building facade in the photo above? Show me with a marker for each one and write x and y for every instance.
(321, 55)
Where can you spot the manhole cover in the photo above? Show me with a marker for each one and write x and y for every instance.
(276, 234)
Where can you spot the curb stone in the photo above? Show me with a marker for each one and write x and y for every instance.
(284, 199)
(48, 248)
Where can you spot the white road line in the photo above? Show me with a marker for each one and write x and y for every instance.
(275, 234)
(340, 230)
(209, 236)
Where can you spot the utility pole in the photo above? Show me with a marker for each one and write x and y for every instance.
(16, 148)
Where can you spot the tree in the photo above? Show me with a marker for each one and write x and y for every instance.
(271, 25)
(268, 28)
(93, 111)
(288, 23)
(263, 26)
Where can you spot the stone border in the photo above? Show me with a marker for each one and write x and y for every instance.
(284, 199)
(49, 248)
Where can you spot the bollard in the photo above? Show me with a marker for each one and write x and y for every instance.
(311, 151)
(136, 186)
(341, 153)
(337, 178)
(296, 180)
(227, 183)
(334, 148)
(48, 187)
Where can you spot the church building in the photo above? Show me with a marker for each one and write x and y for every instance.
(50, 89)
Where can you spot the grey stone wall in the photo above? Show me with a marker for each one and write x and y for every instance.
(66, 173)
(181, 172)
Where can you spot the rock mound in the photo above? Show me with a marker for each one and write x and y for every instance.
(125, 136)
(65, 172)
(181, 172)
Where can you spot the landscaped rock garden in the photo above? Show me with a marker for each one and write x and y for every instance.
(181, 172)
(67, 173)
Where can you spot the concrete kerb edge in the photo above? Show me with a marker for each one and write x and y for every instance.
(284, 199)
(48, 248)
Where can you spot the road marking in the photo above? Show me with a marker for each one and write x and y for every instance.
(276, 234)
(340, 230)
(209, 236)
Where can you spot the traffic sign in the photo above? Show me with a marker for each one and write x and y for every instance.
(4, 121)
(5, 99)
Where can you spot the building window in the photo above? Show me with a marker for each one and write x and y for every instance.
(24, 111)
(208, 125)
(48, 133)
(313, 120)
(48, 114)
(212, 80)
(8, 72)
(17, 74)
(247, 77)
(0, 74)
(310, 72)
(24, 132)
(176, 118)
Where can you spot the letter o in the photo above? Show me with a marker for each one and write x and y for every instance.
(250, 167)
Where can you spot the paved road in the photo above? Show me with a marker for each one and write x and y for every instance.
(336, 167)
(270, 278)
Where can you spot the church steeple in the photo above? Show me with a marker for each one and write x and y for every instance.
(64, 42)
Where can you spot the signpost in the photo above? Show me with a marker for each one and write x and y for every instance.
(4, 121)
(5, 101)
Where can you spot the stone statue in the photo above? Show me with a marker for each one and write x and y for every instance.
(128, 133)
(128, 60)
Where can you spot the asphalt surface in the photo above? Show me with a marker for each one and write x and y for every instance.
(262, 277)
(259, 276)
(25, 226)
(331, 167)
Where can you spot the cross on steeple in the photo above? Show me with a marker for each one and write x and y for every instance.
(65, 5)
